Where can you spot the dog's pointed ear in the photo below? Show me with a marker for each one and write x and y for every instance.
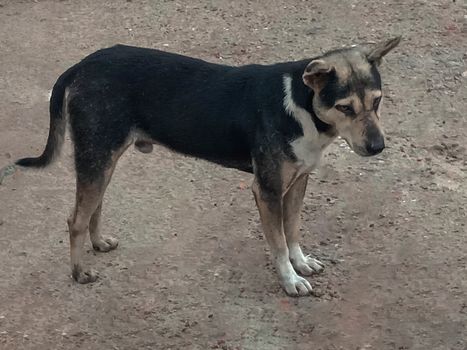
(376, 53)
(317, 73)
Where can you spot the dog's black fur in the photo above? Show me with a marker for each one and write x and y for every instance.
(219, 113)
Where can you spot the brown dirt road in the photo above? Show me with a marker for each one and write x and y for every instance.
(192, 270)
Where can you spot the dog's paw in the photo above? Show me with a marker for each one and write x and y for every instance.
(295, 286)
(307, 265)
(84, 277)
(304, 265)
(105, 244)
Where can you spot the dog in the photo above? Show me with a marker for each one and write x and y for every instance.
(273, 121)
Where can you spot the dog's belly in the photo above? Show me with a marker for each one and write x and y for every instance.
(242, 165)
(235, 157)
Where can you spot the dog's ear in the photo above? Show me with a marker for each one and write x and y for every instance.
(317, 73)
(376, 53)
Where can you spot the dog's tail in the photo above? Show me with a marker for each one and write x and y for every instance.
(57, 124)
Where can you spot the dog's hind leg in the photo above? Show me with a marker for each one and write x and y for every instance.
(88, 198)
(293, 201)
(93, 176)
(100, 242)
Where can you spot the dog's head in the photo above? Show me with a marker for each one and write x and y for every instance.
(347, 93)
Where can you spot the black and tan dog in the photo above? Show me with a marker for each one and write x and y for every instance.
(273, 121)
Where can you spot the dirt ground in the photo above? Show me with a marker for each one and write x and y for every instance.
(192, 270)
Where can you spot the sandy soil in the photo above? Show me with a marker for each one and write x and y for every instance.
(192, 270)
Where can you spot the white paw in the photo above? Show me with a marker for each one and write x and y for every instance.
(295, 286)
(308, 266)
(304, 265)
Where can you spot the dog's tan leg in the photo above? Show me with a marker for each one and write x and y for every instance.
(100, 242)
(88, 198)
(86, 215)
(293, 201)
(270, 210)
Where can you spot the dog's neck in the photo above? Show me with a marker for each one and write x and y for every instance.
(303, 97)
(316, 137)
(298, 103)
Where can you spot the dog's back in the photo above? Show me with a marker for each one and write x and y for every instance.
(189, 105)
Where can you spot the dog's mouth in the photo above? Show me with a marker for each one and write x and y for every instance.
(365, 152)
(360, 150)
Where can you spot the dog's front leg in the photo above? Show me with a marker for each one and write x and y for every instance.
(270, 209)
(293, 201)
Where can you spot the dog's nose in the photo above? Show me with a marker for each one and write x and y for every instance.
(375, 146)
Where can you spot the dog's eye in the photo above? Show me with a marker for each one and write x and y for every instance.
(376, 103)
(346, 109)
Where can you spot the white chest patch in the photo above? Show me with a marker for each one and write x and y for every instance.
(309, 147)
